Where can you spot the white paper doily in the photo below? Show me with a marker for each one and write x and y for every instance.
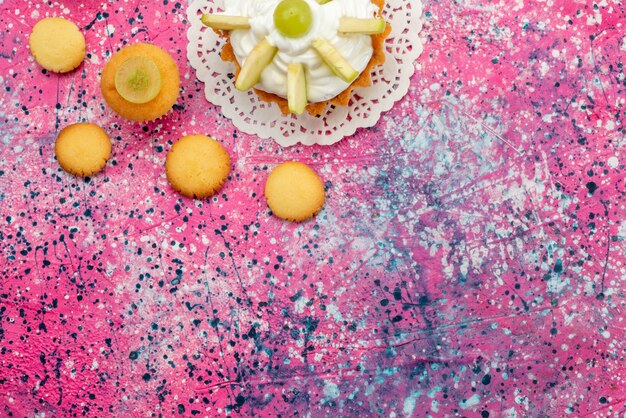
(251, 115)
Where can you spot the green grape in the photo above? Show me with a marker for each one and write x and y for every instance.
(138, 80)
(293, 18)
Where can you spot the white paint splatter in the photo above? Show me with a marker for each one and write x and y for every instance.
(409, 403)
(473, 401)
(300, 305)
(334, 311)
(331, 390)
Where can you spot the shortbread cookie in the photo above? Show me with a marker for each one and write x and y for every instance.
(57, 44)
(197, 166)
(294, 192)
(83, 149)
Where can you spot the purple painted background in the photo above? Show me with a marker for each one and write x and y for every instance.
(469, 260)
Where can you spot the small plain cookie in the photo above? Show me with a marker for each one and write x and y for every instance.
(164, 100)
(294, 192)
(82, 149)
(197, 166)
(57, 44)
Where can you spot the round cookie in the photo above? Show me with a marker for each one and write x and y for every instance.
(57, 44)
(82, 149)
(197, 166)
(164, 100)
(294, 192)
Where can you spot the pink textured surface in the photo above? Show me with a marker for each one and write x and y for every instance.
(469, 260)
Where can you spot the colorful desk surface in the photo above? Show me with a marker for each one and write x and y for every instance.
(469, 260)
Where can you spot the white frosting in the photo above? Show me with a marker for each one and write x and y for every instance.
(322, 83)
